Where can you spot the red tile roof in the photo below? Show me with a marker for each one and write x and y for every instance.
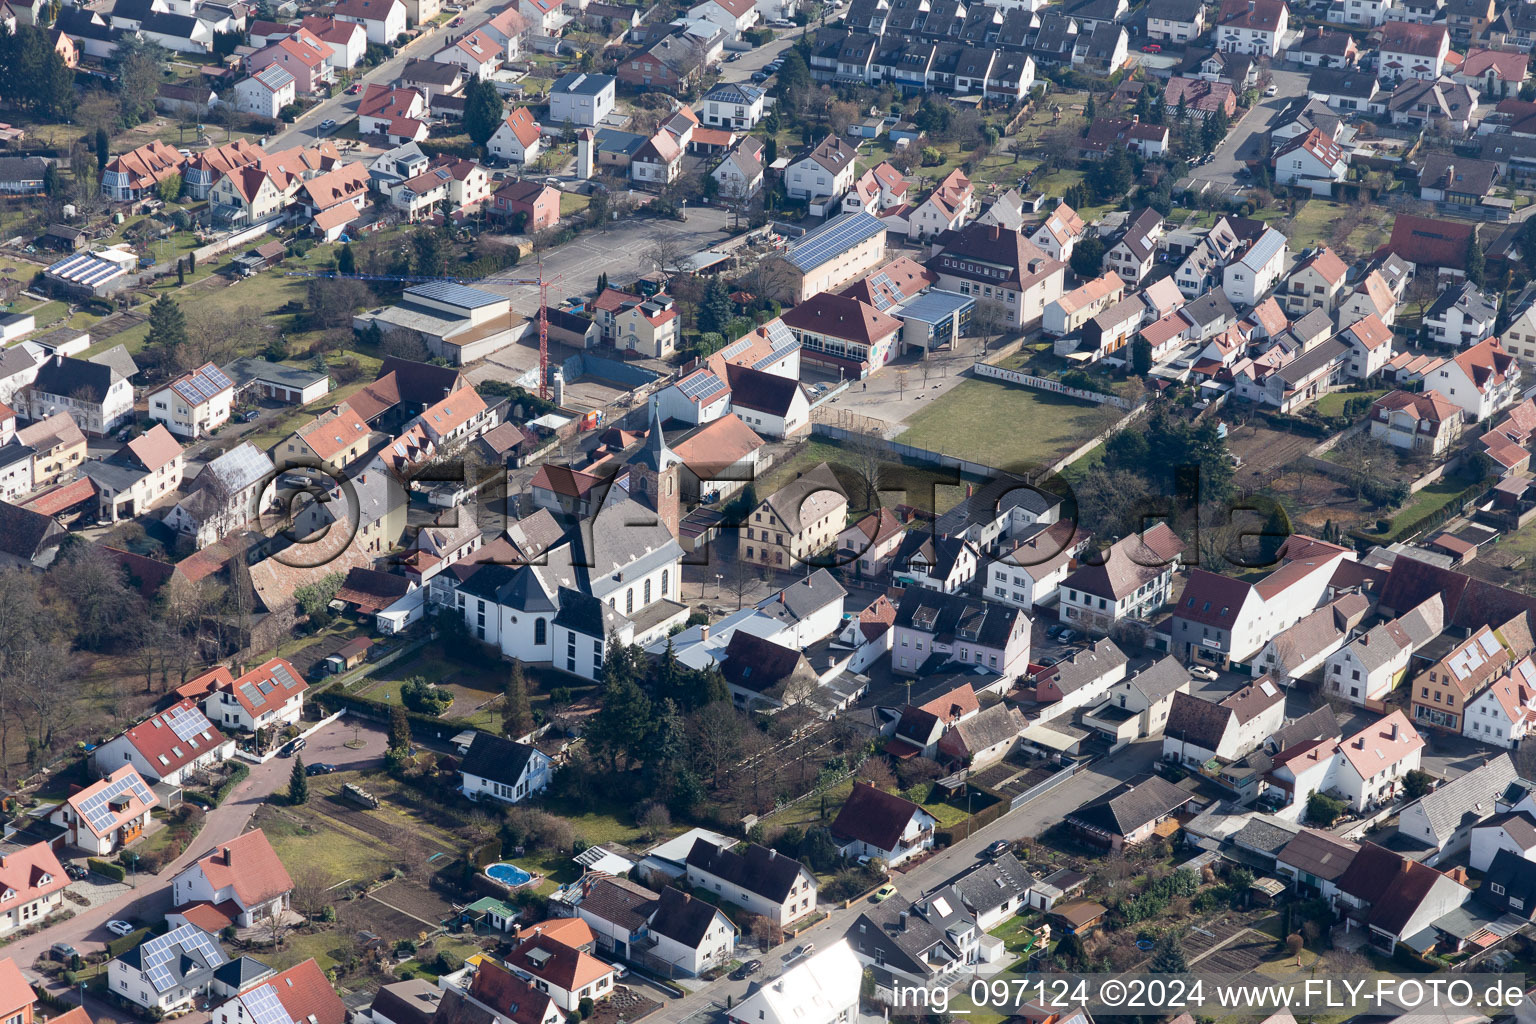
(31, 873)
(565, 967)
(842, 317)
(307, 995)
(1431, 243)
(15, 992)
(250, 866)
(123, 808)
(160, 746)
(155, 447)
(523, 126)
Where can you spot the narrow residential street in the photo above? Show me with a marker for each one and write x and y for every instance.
(1243, 141)
(150, 897)
(1027, 821)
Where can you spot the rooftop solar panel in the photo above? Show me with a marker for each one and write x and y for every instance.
(835, 236)
(187, 722)
(265, 1007)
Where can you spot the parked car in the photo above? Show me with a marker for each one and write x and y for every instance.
(806, 949)
(1152, 48)
(1066, 636)
(759, 76)
(733, 58)
(319, 768)
(1203, 672)
(120, 928)
(63, 951)
(295, 746)
(999, 848)
(884, 893)
(1054, 631)
(327, 124)
(1273, 90)
(747, 969)
(1047, 662)
(354, 88)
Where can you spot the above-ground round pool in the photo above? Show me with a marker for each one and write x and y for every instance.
(509, 874)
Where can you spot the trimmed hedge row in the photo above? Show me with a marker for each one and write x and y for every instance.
(237, 775)
(116, 872)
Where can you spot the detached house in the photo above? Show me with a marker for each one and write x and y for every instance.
(876, 824)
(1129, 814)
(107, 815)
(383, 20)
(167, 747)
(243, 882)
(1410, 50)
(1316, 282)
(826, 171)
(1199, 730)
(32, 884)
(266, 92)
(97, 397)
(194, 404)
(517, 139)
(758, 879)
(1132, 579)
(1461, 315)
(504, 770)
(271, 694)
(1254, 27)
(1480, 380)
(935, 629)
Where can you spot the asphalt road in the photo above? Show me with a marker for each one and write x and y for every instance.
(342, 108)
(1243, 141)
(1025, 822)
(151, 896)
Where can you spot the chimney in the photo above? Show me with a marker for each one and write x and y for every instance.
(904, 920)
(1392, 733)
(227, 859)
(704, 632)
(781, 597)
(1407, 865)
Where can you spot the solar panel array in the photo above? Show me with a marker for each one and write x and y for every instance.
(265, 1007)
(256, 690)
(779, 337)
(97, 808)
(700, 387)
(85, 269)
(835, 236)
(157, 955)
(187, 722)
(201, 385)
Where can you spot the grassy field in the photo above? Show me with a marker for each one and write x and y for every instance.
(1003, 425)
(1316, 223)
(1437, 495)
(476, 692)
(1333, 404)
(571, 203)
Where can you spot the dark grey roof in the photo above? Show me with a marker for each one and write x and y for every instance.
(68, 377)
(1509, 885)
(1262, 836)
(242, 971)
(14, 451)
(178, 26)
(585, 614)
(683, 918)
(119, 359)
(1132, 804)
(987, 886)
(26, 534)
(22, 168)
(581, 84)
(247, 369)
(788, 501)
(497, 759)
(1314, 725)
(758, 869)
(431, 72)
(1173, 10)
(1351, 83)
(512, 586)
(1313, 359)
(414, 1001)
(950, 615)
(625, 903)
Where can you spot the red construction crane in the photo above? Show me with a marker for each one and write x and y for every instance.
(541, 281)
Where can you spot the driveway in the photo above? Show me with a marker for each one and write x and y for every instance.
(341, 108)
(149, 896)
(1243, 142)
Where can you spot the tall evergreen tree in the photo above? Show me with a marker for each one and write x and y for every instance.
(167, 331)
(516, 713)
(103, 148)
(51, 179)
(482, 111)
(399, 728)
(346, 261)
(298, 783)
(1474, 268)
(1168, 954)
(715, 306)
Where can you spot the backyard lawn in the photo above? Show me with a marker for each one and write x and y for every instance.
(1004, 425)
(1317, 220)
(1436, 496)
(475, 690)
(1333, 404)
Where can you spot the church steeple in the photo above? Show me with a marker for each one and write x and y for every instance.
(653, 472)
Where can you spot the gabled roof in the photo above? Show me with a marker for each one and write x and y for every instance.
(1381, 745)
(249, 866)
(500, 760)
(874, 816)
(1465, 799)
(1319, 854)
(157, 739)
(556, 963)
(809, 496)
(756, 868)
(1431, 243)
(1132, 804)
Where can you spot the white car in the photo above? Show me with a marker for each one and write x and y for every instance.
(120, 928)
(1202, 672)
(327, 125)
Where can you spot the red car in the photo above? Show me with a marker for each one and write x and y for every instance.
(354, 88)
(1152, 48)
